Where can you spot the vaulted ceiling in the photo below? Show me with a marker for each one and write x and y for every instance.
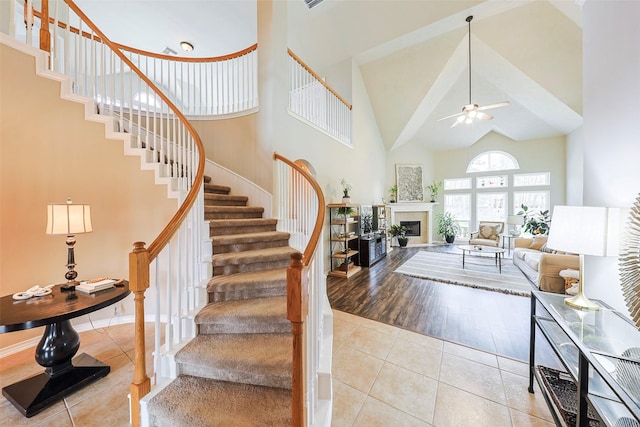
(412, 54)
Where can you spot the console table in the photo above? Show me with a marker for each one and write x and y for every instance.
(59, 343)
(600, 353)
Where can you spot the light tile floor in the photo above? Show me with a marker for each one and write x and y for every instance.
(383, 376)
(386, 376)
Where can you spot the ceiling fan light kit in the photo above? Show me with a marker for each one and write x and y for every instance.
(471, 111)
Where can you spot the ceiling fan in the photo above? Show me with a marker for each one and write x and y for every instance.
(471, 112)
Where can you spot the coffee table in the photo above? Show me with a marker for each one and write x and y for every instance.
(478, 250)
(63, 373)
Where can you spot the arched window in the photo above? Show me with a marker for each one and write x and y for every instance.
(492, 161)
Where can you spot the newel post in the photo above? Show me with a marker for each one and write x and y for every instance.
(138, 283)
(297, 300)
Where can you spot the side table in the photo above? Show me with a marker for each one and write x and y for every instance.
(63, 373)
(509, 239)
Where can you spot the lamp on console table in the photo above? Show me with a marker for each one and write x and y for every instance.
(69, 219)
(584, 230)
(516, 221)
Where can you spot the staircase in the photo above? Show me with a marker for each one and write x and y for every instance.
(237, 370)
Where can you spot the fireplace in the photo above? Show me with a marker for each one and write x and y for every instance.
(413, 228)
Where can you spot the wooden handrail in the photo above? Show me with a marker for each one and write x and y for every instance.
(234, 55)
(75, 30)
(140, 257)
(318, 78)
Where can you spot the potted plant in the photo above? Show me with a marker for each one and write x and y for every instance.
(345, 211)
(535, 223)
(346, 187)
(434, 189)
(447, 226)
(399, 232)
(393, 191)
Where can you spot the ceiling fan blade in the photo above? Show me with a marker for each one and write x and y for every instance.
(498, 105)
(451, 116)
(483, 116)
(454, 124)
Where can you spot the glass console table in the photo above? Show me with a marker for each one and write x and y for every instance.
(600, 352)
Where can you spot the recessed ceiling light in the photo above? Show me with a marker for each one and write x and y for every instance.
(188, 47)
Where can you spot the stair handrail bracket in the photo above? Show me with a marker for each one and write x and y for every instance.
(301, 212)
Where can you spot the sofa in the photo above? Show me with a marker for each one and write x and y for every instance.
(542, 265)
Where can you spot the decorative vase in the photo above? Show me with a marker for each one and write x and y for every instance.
(402, 241)
(346, 199)
(450, 239)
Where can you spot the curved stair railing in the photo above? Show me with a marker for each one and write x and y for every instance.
(301, 212)
(151, 126)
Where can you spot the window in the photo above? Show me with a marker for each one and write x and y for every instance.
(460, 206)
(492, 161)
(492, 181)
(531, 179)
(535, 200)
(491, 206)
(457, 184)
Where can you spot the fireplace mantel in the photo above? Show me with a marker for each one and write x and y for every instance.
(395, 208)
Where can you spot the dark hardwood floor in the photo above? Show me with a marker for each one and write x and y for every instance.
(486, 320)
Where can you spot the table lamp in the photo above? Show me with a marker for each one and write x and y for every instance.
(69, 219)
(516, 221)
(584, 230)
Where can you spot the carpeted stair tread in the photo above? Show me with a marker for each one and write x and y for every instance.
(211, 199)
(259, 315)
(203, 402)
(256, 256)
(234, 239)
(249, 241)
(215, 188)
(255, 284)
(260, 359)
(221, 227)
(232, 212)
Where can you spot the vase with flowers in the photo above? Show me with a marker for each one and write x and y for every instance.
(346, 187)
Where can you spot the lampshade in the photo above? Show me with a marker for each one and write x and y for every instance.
(585, 230)
(515, 220)
(68, 218)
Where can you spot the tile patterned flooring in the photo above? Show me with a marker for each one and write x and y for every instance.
(382, 376)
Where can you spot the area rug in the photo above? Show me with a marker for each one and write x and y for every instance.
(479, 272)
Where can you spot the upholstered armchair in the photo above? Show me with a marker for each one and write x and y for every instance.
(488, 234)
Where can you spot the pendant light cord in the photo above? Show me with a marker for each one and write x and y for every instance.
(469, 18)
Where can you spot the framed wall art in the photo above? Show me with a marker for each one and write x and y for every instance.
(409, 180)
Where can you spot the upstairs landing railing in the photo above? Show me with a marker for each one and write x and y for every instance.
(213, 87)
(314, 101)
(300, 211)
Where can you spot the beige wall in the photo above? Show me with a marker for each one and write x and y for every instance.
(47, 153)
(230, 143)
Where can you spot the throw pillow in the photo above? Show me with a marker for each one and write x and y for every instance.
(545, 248)
(488, 232)
(537, 242)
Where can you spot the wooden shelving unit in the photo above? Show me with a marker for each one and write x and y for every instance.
(345, 239)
